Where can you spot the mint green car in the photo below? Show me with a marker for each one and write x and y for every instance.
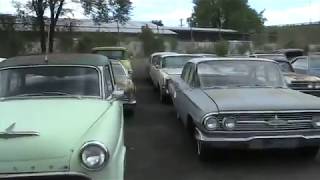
(60, 119)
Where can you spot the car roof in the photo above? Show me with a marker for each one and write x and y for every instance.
(288, 50)
(181, 55)
(278, 60)
(162, 53)
(57, 59)
(109, 48)
(200, 60)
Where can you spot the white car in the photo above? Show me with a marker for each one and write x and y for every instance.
(164, 67)
(152, 58)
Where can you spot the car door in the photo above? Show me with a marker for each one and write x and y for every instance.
(300, 65)
(154, 70)
(186, 92)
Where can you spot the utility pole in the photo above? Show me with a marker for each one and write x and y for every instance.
(181, 22)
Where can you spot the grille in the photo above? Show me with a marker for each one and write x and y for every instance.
(55, 177)
(301, 85)
(273, 121)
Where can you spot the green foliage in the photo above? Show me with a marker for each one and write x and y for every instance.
(12, 43)
(87, 42)
(291, 44)
(107, 11)
(151, 43)
(222, 48)
(66, 42)
(173, 43)
(229, 14)
(244, 48)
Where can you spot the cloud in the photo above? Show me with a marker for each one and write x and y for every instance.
(303, 14)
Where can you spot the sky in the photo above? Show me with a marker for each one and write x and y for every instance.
(277, 12)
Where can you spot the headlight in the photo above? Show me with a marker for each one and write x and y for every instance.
(316, 121)
(310, 86)
(229, 123)
(317, 86)
(211, 123)
(94, 155)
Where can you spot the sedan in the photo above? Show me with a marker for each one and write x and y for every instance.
(300, 82)
(244, 103)
(164, 68)
(61, 118)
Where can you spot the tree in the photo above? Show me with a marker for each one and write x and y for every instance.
(157, 23)
(151, 43)
(38, 9)
(229, 14)
(108, 11)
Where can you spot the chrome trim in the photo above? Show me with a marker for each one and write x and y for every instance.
(266, 122)
(22, 175)
(86, 66)
(199, 136)
(96, 143)
(259, 112)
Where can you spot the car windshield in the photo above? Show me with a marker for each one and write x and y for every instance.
(113, 54)
(119, 73)
(314, 62)
(230, 74)
(175, 61)
(49, 81)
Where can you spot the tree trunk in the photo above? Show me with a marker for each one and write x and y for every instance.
(42, 35)
(51, 38)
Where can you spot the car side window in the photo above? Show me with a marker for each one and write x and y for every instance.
(191, 75)
(301, 63)
(186, 72)
(108, 81)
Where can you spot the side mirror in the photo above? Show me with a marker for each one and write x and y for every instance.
(157, 66)
(118, 94)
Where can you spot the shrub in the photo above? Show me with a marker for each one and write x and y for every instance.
(222, 48)
(151, 43)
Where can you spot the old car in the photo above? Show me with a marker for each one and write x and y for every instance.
(307, 64)
(154, 57)
(163, 68)
(244, 103)
(300, 82)
(116, 53)
(290, 53)
(61, 118)
(124, 82)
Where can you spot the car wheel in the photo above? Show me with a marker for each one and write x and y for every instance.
(309, 152)
(163, 97)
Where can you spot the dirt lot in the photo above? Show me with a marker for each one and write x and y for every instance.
(159, 148)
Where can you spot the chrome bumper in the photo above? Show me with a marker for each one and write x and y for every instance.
(248, 140)
(52, 175)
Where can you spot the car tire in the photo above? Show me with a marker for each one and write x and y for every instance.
(309, 152)
(163, 98)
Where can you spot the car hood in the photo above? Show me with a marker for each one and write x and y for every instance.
(60, 124)
(176, 71)
(262, 100)
(300, 77)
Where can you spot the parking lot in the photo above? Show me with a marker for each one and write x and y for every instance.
(159, 148)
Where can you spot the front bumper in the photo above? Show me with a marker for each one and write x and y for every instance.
(260, 140)
(312, 92)
(46, 176)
